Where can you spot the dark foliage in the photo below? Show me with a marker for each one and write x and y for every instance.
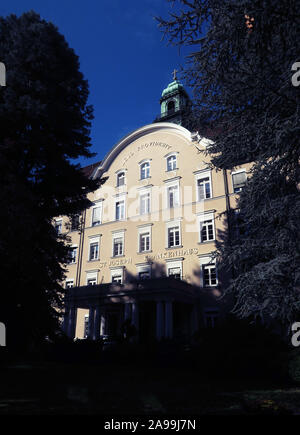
(44, 124)
(244, 99)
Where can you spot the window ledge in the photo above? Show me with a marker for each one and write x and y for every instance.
(144, 252)
(117, 256)
(206, 242)
(174, 247)
(92, 261)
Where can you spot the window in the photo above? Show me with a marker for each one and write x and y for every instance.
(117, 275)
(240, 229)
(73, 254)
(211, 317)
(145, 203)
(239, 180)
(118, 246)
(171, 107)
(144, 275)
(75, 222)
(145, 170)
(209, 275)
(58, 227)
(91, 277)
(120, 210)
(70, 283)
(96, 215)
(120, 179)
(173, 237)
(94, 251)
(171, 163)
(207, 231)
(204, 188)
(173, 196)
(145, 242)
(175, 272)
(144, 271)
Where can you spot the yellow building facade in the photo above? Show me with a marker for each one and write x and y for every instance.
(141, 253)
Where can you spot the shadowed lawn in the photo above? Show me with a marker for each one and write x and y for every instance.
(56, 388)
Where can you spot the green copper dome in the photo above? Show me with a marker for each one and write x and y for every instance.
(174, 86)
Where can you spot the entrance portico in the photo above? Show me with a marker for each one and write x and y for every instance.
(158, 309)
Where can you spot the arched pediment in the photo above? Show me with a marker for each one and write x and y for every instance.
(136, 134)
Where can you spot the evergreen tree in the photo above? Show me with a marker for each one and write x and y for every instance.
(240, 71)
(45, 123)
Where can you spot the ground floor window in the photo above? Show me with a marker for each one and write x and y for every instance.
(209, 275)
(175, 272)
(211, 317)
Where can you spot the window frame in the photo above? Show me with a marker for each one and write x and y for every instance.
(120, 174)
(239, 171)
(168, 159)
(98, 222)
(94, 240)
(202, 175)
(142, 165)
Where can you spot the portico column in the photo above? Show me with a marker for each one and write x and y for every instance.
(97, 323)
(102, 324)
(72, 322)
(91, 323)
(135, 314)
(159, 320)
(169, 319)
(127, 311)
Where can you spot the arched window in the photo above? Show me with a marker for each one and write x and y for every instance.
(145, 170)
(121, 179)
(171, 107)
(171, 163)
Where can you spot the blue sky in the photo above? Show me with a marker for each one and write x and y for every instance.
(122, 55)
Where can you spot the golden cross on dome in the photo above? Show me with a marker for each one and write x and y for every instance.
(174, 74)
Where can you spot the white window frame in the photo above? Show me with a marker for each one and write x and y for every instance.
(118, 235)
(234, 173)
(200, 175)
(120, 198)
(204, 217)
(69, 281)
(168, 157)
(73, 248)
(117, 271)
(169, 225)
(143, 268)
(174, 264)
(92, 275)
(173, 183)
(95, 206)
(142, 164)
(145, 229)
(207, 261)
(147, 209)
(92, 240)
(119, 174)
(120, 210)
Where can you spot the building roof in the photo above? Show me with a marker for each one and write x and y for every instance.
(172, 87)
(90, 169)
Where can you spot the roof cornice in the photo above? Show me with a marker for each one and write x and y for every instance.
(136, 134)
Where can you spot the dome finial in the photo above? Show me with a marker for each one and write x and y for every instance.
(174, 74)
